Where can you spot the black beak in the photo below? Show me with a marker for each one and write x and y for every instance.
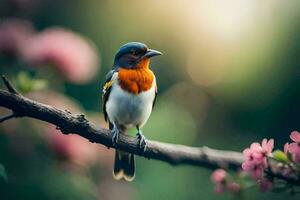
(151, 53)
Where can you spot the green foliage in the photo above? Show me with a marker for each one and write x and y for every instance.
(26, 83)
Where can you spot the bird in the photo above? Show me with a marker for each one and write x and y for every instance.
(128, 97)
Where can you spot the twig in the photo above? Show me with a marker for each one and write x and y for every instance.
(12, 90)
(292, 181)
(9, 86)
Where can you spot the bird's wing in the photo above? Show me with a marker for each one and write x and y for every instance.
(154, 100)
(106, 91)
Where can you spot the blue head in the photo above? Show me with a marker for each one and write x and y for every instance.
(131, 54)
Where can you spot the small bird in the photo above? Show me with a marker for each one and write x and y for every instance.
(128, 97)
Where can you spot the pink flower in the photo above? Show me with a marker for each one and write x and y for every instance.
(218, 176)
(72, 55)
(295, 136)
(13, 34)
(267, 146)
(265, 184)
(294, 147)
(253, 152)
(255, 158)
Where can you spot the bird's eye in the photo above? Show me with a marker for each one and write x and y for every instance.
(134, 53)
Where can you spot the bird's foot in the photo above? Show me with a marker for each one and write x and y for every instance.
(142, 141)
(115, 131)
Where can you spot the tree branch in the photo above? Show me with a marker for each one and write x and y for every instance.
(9, 86)
(78, 124)
(174, 154)
(292, 181)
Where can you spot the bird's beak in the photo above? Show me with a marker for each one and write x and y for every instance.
(151, 53)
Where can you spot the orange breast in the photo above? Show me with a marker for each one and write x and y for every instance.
(136, 80)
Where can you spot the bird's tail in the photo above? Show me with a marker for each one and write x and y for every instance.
(124, 166)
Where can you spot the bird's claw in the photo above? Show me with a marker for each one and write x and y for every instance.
(115, 136)
(142, 142)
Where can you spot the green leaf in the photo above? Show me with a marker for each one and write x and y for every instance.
(3, 174)
(280, 156)
(27, 83)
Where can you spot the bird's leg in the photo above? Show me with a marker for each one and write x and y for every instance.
(115, 131)
(142, 139)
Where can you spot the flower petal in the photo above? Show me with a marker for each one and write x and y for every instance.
(264, 142)
(269, 146)
(294, 148)
(295, 136)
(255, 147)
(286, 147)
(247, 153)
(248, 166)
(218, 176)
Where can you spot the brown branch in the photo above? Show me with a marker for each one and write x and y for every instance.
(174, 154)
(291, 180)
(9, 86)
(78, 124)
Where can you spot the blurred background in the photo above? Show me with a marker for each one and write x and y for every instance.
(230, 69)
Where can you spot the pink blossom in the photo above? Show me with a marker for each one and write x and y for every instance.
(265, 184)
(253, 152)
(255, 158)
(13, 34)
(218, 176)
(294, 147)
(255, 168)
(295, 136)
(267, 146)
(72, 55)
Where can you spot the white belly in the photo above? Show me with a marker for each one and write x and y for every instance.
(128, 109)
